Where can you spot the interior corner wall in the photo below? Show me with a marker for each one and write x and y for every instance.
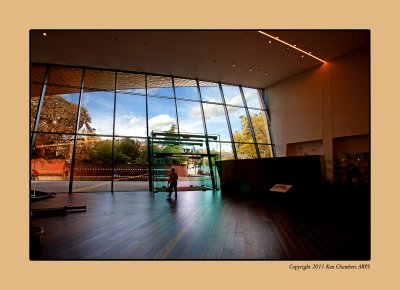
(350, 87)
(331, 100)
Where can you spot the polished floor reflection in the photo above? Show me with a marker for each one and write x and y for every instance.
(202, 225)
(141, 225)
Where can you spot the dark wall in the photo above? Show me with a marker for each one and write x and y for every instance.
(305, 173)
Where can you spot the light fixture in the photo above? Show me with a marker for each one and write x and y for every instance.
(288, 44)
(270, 41)
(266, 73)
(250, 69)
(233, 65)
(44, 34)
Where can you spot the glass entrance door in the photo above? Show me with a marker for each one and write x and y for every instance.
(189, 155)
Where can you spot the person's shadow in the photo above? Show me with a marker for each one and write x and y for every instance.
(172, 204)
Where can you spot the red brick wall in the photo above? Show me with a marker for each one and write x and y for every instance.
(48, 167)
(181, 170)
(59, 167)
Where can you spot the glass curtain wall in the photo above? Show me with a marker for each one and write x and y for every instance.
(90, 128)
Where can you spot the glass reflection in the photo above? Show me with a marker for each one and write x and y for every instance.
(158, 86)
(186, 89)
(100, 80)
(131, 83)
(65, 76)
(37, 73)
(210, 92)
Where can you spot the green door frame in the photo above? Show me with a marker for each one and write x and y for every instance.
(181, 139)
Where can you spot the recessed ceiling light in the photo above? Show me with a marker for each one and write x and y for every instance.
(233, 65)
(270, 41)
(266, 73)
(44, 34)
(250, 69)
(288, 44)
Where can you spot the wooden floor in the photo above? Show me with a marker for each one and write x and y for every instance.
(197, 225)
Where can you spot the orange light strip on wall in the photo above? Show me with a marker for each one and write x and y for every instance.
(292, 46)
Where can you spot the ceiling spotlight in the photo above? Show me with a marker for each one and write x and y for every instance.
(309, 52)
(287, 48)
(250, 69)
(44, 34)
(270, 41)
(233, 65)
(294, 45)
(302, 55)
(266, 73)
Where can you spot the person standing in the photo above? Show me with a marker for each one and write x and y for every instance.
(172, 183)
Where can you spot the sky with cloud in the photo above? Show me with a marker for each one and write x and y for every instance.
(131, 110)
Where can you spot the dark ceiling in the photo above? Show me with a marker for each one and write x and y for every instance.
(230, 56)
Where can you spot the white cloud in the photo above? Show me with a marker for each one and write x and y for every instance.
(132, 127)
(103, 125)
(252, 98)
(216, 113)
(191, 127)
(196, 112)
(161, 122)
(250, 95)
(236, 101)
(211, 111)
(135, 122)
